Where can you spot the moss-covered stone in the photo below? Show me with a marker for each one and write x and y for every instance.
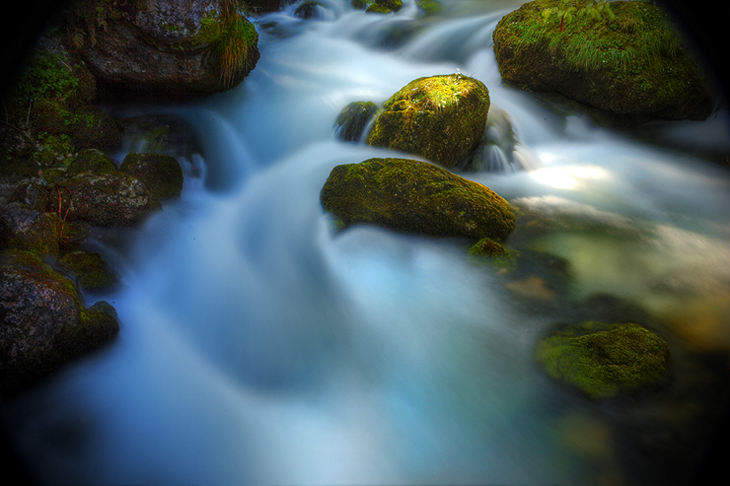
(91, 160)
(441, 118)
(25, 229)
(353, 119)
(633, 64)
(92, 272)
(603, 360)
(161, 174)
(418, 197)
(487, 247)
(43, 323)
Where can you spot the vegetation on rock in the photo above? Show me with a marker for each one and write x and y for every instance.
(603, 360)
(353, 119)
(441, 118)
(630, 62)
(416, 197)
(43, 322)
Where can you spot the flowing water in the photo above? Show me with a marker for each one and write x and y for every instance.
(259, 346)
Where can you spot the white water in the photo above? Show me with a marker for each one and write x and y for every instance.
(259, 347)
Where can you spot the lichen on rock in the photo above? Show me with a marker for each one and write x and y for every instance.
(441, 118)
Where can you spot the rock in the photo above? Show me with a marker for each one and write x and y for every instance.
(43, 324)
(92, 272)
(633, 64)
(487, 247)
(353, 119)
(161, 174)
(418, 197)
(170, 49)
(91, 160)
(603, 360)
(111, 199)
(29, 230)
(377, 6)
(441, 118)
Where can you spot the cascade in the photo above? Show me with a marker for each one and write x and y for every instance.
(260, 346)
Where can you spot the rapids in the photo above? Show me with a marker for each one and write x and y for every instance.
(259, 346)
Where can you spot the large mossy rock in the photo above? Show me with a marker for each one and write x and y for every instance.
(416, 197)
(631, 64)
(603, 360)
(165, 48)
(43, 323)
(441, 118)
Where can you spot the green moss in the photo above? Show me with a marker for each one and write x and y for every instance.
(604, 359)
(46, 76)
(632, 60)
(417, 197)
(440, 117)
(92, 272)
(487, 247)
(353, 118)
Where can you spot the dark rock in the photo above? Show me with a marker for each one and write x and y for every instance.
(353, 119)
(43, 324)
(161, 174)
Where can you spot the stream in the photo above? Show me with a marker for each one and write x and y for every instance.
(258, 345)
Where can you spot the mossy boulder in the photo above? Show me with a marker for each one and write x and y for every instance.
(603, 360)
(161, 174)
(416, 197)
(441, 118)
(353, 119)
(630, 63)
(43, 322)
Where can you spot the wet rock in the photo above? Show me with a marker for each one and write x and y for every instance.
(43, 324)
(632, 63)
(111, 199)
(161, 174)
(29, 230)
(353, 119)
(417, 197)
(92, 272)
(603, 360)
(441, 118)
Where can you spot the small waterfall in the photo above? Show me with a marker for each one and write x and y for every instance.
(258, 345)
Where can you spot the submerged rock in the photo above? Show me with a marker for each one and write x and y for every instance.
(603, 360)
(629, 62)
(417, 197)
(43, 323)
(353, 119)
(92, 272)
(441, 118)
